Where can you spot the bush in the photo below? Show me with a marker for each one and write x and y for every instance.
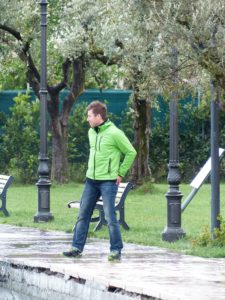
(20, 139)
(205, 240)
(3, 151)
(78, 171)
(78, 145)
(194, 140)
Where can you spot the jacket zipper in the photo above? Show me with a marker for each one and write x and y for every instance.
(95, 154)
(109, 168)
(99, 143)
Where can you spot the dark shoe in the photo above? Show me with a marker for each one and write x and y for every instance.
(72, 253)
(114, 256)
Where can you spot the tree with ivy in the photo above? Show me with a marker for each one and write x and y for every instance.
(20, 36)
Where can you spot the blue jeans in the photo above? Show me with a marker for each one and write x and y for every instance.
(92, 191)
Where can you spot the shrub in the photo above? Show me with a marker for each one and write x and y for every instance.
(78, 145)
(3, 152)
(205, 239)
(20, 140)
(194, 139)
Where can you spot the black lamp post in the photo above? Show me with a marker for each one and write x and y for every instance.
(43, 214)
(173, 230)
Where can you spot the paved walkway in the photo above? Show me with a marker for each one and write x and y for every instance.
(150, 271)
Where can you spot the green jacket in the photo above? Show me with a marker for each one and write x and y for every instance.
(106, 146)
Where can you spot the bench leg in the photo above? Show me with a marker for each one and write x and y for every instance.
(102, 220)
(3, 208)
(95, 219)
(5, 211)
(122, 220)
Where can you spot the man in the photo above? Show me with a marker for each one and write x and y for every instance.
(105, 172)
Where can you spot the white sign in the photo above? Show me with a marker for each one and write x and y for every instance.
(204, 172)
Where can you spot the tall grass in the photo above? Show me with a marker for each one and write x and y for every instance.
(145, 213)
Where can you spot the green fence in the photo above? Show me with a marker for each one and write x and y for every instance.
(117, 101)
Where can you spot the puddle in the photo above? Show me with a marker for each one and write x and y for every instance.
(21, 245)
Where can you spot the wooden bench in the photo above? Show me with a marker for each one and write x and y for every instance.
(121, 195)
(5, 182)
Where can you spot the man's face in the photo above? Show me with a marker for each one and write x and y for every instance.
(94, 120)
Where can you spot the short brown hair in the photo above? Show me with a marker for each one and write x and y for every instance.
(98, 108)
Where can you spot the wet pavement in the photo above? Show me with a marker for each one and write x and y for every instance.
(144, 272)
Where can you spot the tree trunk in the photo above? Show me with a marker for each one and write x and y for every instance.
(59, 121)
(59, 168)
(141, 171)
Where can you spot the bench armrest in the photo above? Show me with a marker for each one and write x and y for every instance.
(74, 204)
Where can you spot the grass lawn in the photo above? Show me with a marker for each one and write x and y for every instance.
(145, 214)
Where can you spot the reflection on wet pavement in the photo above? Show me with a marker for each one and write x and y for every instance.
(149, 271)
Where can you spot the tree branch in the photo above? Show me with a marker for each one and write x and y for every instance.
(76, 89)
(65, 81)
(25, 56)
(100, 56)
(184, 23)
(12, 31)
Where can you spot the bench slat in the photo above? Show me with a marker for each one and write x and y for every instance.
(76, 204)
(119, 193)
(4, 177)
(3, 182)
(2, 186)
(123, 184)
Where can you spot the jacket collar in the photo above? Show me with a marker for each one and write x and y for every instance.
(102, 126)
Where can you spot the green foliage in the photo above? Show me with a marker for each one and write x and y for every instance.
(12, 74)
(194, 140)
(78, 171)
(78, 146)
(194, 143)
(127, 120)
(204, 239)
(102, 76)
(159, 150)
(219, 234)
(146, 188)
(3, 152)
(20, 141)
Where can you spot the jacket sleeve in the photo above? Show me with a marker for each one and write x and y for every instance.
(126, 148)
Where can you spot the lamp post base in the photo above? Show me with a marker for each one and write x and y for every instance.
(171, 234)
(43, 217)
(43, 214)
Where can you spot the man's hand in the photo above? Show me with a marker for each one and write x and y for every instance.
(119, 180)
